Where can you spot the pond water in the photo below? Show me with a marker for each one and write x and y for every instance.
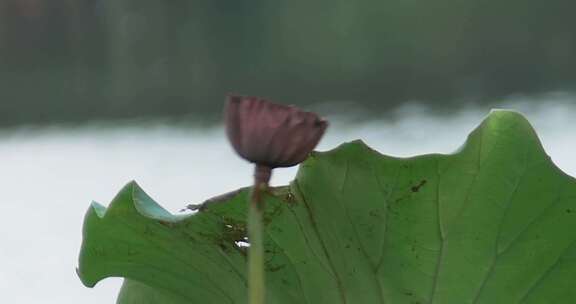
(49, 176)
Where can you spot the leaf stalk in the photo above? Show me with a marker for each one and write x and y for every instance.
(256, 283)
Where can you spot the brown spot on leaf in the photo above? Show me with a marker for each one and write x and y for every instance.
(166, 223)
(416, 188)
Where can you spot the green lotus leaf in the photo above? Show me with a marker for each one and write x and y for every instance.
(494, 222)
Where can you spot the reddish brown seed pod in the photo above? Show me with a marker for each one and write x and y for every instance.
(269, 134)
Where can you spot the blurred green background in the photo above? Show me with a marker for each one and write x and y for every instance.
(79, 60)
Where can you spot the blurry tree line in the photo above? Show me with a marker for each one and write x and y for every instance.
(73, 60)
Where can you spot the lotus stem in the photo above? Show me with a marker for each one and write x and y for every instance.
(256, 283)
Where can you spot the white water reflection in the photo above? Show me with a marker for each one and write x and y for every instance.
(49, 177)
